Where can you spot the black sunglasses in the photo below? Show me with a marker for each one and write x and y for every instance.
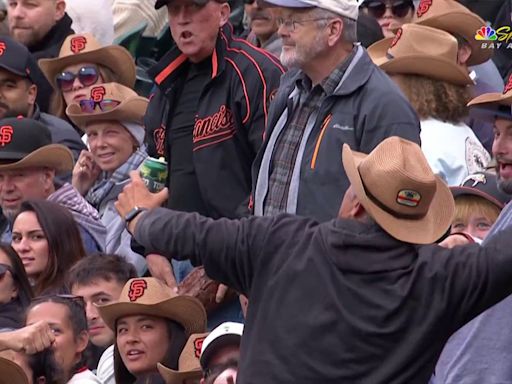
(399, 8)
(3, 270)
(87, 75)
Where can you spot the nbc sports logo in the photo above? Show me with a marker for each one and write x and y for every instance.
(486, 33)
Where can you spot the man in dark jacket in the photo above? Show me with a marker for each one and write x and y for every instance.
(42, 26)
(337, 96)
(360, 299)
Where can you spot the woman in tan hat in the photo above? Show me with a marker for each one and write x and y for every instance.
(152, 325)
(390, 14)
(423, 62)
(82, 63)
(111, 116)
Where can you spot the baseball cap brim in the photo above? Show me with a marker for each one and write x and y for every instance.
(222, 340)
(459, 191)
(289, 3)
(160, 3)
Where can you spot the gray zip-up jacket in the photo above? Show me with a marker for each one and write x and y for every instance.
(366, 108)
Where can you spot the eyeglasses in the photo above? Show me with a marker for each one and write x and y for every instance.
(105, 105)
(291, 24)
(3, 270)
(87, 75)
(399, 8)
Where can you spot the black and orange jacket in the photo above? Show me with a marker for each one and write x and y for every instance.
(230, 120)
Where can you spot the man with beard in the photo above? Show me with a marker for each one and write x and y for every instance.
(263, 26)
(337, 96)
(480, 352)
(19, 79)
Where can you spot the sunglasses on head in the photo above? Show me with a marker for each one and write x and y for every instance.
(398, 8)
(3, 270)
(87, 75)
(105, 105)
(72, 299)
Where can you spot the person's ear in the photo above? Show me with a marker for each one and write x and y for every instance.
(357, 211)
(335, 31)
(41, 380)
(47, 179)
(463, 54)
(60, 9)
(14, 293)
(32, 94)
(82, 341)
(225, 11)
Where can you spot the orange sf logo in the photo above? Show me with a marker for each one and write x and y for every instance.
(5, 134)
(77, 44)
(97, 93)
(137, 289)
(2, 48)
(508, 87)
(423, 7)
(198, 344)
(397, 37)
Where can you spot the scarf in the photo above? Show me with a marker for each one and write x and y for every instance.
(105, 183)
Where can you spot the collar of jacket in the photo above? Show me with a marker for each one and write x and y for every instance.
(55, 35)
(171, 65)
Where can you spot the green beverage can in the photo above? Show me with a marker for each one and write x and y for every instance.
(154, 173)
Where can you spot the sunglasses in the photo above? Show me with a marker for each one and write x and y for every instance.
(399, 8)
(87, 75)
(105, 105)
(3, 270)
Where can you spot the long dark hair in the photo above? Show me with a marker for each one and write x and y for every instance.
(44, 365)
(20, 277)
(177, 339)
(65, 245)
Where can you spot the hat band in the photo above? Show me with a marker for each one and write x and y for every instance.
(385, 208)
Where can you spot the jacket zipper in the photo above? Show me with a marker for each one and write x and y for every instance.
(326, 122)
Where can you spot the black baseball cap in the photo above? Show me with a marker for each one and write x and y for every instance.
(28, 143)
(16, 58)
(482, 184)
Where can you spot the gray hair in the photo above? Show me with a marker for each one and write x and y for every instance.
(349, 25)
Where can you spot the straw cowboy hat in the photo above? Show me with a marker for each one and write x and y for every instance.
(188, 363)
(397, 188)
(27, 143)
(84, 48)
(420, 50)
(11, 373)
(125, 105)
(453, 17)
(149, 296)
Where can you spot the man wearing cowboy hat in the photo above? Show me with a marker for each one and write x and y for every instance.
(337, 96)
(480, 351)
(368, 298)
(22, 86)
(29, 163)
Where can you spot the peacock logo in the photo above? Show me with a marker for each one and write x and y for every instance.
(486, 33)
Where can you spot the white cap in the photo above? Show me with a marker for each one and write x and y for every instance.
(347, 8)
(228, 333)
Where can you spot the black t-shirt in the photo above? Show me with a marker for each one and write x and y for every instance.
(185, 194)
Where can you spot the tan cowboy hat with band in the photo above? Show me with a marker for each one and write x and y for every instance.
(149, 296)
(26, 143)
(124, 105)
(398, 189)
(420, 50)
(84, 48)
(453, 17)
(188, 363)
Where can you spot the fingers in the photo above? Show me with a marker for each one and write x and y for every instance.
(221, 293)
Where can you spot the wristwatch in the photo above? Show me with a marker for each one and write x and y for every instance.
(133, 213)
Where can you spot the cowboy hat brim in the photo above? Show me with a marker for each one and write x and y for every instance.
(53, 156)
(494, 98)
(185, 310)
(132, 109)
(420, 231)
(176, 377)
(117, 58)
(11, 373)
(425, 65)
(465, 24)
